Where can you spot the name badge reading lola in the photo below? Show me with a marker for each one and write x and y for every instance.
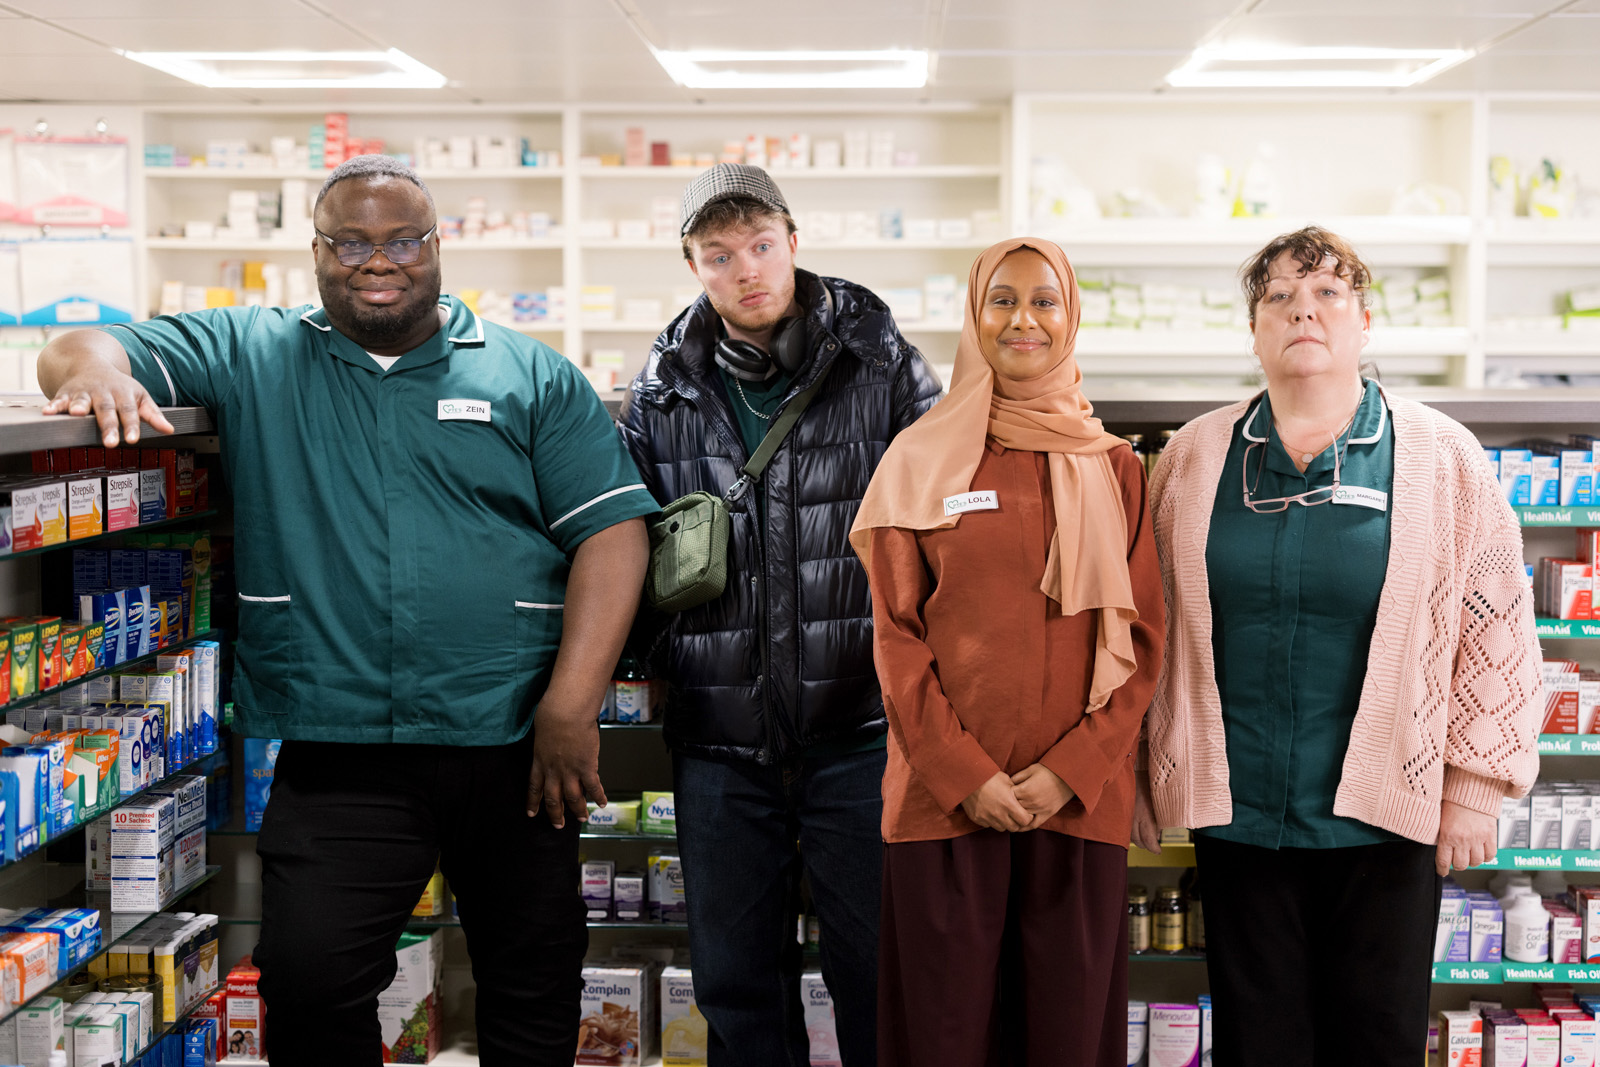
(983, 500)
(474, 410)
(1361, 497)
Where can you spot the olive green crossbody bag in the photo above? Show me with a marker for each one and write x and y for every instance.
(689, 542)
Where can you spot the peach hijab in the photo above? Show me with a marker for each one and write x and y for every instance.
(935, 458)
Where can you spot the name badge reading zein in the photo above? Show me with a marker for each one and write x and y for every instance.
(983, 500)
(474, 410)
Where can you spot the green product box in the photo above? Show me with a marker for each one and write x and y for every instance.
(617, 817)
(657, 814)
(24, 659)
(198, 542)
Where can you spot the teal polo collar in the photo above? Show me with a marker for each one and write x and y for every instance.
(1368, 427)
(461, 329)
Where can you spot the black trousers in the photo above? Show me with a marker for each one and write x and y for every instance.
(350, 838)
(1319, 956)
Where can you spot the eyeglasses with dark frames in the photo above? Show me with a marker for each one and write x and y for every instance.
(401, 251)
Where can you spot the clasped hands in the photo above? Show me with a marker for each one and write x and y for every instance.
(1021, 801)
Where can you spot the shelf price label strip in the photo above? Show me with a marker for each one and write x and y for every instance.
(1547, 516)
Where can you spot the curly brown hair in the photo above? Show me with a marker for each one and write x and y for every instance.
(731, 213)
(1311, 247)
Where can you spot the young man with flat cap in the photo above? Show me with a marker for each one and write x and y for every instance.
(775, 719)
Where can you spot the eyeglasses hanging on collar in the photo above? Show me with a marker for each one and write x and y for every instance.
(1309, 498)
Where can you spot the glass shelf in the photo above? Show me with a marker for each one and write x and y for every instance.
(78, 827)
(125, 665)
(115, 928)
(102, 538)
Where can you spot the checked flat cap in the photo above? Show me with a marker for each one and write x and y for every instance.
(727, 180)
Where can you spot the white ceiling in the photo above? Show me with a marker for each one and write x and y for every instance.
(596, 50)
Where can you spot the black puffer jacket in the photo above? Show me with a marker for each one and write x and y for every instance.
(783, 659)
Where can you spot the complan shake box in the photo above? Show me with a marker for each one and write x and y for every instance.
(683, 1028)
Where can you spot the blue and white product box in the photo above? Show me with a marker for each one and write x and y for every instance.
(58, 814)
(131, 763)
(10, 822)
(1516, 476)
(1205, 1028)
(1577, 477)
(1138, 1031)
(1544, 485)
(260, 763)
(143, 832)
(200, 1043)
(188, 793)
(140, 637)
(97, 855)
(208, 690)
(1494, 460)
(1488, 931)
(33, 782)
(140, 689)
(107, 608)
(152, 495)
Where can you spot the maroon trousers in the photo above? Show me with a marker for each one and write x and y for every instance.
(1004, 949)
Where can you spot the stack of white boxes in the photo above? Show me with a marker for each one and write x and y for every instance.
(143, 833)
(188, 793)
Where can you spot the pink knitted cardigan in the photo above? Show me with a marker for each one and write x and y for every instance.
(1451, 705)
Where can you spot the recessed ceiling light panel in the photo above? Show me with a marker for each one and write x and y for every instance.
(294, 69)
(1271, 66)
(838, 69)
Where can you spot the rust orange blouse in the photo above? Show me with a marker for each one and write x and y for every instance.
(982, 673)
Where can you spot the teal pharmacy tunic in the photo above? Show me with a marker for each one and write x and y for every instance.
(404, 536)
(1294, 597)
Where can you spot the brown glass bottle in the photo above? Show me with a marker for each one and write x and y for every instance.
(1171, 919)
(1139, 920)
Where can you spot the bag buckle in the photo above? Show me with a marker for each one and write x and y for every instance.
(739, 488)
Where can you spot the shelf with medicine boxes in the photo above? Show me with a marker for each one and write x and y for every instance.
(209, 636)
(113, 535)
(159, 173)
(83, 933)
(272, 244)
(1510, 972)
(806, 173)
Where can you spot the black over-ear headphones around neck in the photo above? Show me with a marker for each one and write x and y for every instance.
(748, 362)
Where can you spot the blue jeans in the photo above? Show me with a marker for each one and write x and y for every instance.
(738, 827)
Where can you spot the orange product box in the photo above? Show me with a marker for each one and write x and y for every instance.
(86, 506)
(183, 480)
(35, 958)
(215, 1007)
(74, 644)
(1561, 692)
(1572, 589)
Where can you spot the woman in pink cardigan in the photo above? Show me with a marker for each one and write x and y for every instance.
(1351, 677)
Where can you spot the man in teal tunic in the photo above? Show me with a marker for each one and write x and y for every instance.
(439, 550)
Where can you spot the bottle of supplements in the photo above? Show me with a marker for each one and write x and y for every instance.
(1139, 924)
(632, 692)
(1195, 931)
(1527, 931)
(1171, 918)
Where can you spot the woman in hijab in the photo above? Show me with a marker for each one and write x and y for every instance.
(1018, 632)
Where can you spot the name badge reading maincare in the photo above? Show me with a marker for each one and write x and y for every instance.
(1361, 497)
(984, 500)
(475, 410)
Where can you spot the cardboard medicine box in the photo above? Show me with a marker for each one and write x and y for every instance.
(822, 1032)
(618, 1016)
(658, 814)
(409, 1011)
(683, 1028)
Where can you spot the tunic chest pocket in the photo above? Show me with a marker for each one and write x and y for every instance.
(269, 650)
(538, 636)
